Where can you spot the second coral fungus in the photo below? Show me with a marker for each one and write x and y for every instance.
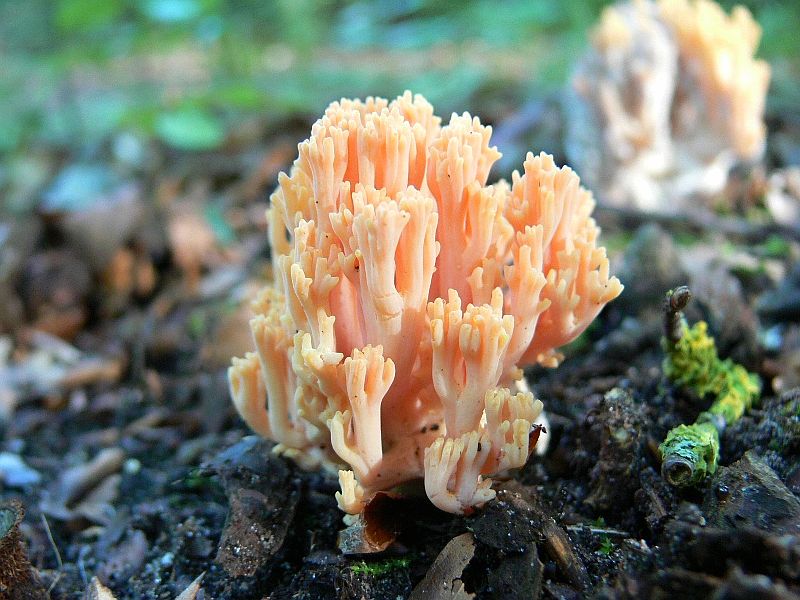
(669, 97)
(407, 296)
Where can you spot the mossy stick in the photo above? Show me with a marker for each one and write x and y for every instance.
(690, 452)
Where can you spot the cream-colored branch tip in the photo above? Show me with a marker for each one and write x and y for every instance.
(408, 296)
(669, 97)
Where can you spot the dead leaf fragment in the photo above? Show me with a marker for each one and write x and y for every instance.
(90, 371)
(125, 558)
(97, 591)
(87, 490)
(443, 579)
(372, 530)
(192, 242)
(190, 593)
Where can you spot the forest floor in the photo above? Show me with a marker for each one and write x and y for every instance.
(118, 436)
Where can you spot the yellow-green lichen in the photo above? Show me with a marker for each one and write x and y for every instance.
(690, 453)
(693, 362)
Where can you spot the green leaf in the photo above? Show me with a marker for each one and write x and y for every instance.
(243, 95)
(190, 129)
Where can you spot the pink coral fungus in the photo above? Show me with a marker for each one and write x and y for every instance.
(408, 294)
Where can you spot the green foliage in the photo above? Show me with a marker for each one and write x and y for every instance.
(776, 246)
(184, 71)
(606, 545)
(87, 15)
(218, 62)
(190, 129)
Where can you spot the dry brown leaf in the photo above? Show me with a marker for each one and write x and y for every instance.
(192, 242)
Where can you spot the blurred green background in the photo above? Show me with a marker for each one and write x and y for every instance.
(198, 74)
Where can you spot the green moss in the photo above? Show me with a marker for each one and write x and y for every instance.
(380, 567)
(198, 480)
(791, 408)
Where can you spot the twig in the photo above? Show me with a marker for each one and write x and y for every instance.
(599, 531)
(691, 452)
(674, 303)
(57, 553)
(82, 565)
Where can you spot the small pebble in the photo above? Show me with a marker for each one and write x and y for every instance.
(131, 466)
(15, 473)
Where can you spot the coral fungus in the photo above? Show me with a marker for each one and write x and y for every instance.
(669, 97)
(407, 296)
